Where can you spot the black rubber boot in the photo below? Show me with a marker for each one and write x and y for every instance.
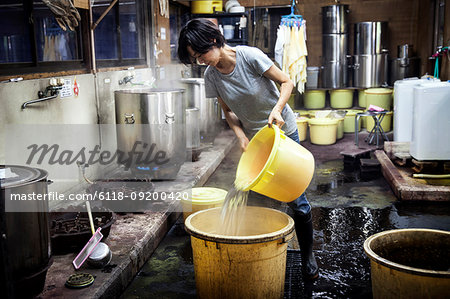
(304, 230)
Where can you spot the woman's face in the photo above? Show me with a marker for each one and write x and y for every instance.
(212, 57)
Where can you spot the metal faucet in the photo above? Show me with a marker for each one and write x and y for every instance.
(126, 79)
(49, 93)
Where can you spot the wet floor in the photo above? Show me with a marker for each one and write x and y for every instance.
(347, 208)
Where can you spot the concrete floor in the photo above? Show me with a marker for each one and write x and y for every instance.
(347, 208)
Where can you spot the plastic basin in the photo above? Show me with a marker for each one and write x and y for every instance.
(341, 98)
(249, 265)
(323, 131)
(409, 263)
(203, 198)
(275, 166)
(302, 126)
(314, 99)
(381, 97)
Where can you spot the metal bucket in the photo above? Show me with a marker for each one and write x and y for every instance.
(334, 19)
(151, 122)
(335, 74)
(210, 113)
(25, 243)
(370, 70)
(334, 47)
(370, 37)
(409, 263)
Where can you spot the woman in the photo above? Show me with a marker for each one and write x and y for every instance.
(243, 79)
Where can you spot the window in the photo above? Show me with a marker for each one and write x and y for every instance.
(119, 37)
(31, 40)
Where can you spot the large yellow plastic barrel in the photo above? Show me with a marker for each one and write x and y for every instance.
(250, 265)
(340, 128)
(206, 7)
(314, 99)
(349, 121)
(381, 97)
(203, 198)
(409, 263)
(274, 165)
(385, 123)
(302, 126)
(341, 98)
(323, 131)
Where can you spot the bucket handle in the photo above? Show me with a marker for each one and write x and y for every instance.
(286, 239)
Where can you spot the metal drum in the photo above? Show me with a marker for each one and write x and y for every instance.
(192, 128)
(25, 243)
(210, 113)
(335, 74)
(370, 70)
(334, 19)
(370, 37)
(404, 66)
(151, 131)
(334, 47)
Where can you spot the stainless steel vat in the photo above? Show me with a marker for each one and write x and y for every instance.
(334, 19)
(370, 37)
(370, 70)
(151, 131)
(404, 66)
(335, 74)
(210, 113)
(25, 243)
(192, 128)
(334, 47)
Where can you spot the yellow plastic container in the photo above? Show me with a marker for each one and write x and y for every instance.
(362, 98)
(302, 126)
(314, 99)
(381, 97)
(397, 261)
(349, 121)
(206, 7)
(302, 112)
(250, 265)
(340, 128)
(323, 131)
(385, 123)
(203, 198)
(341, 98)
(275, 166)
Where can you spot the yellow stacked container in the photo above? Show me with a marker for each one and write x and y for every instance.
(381, 97)
(206, 7)
(314, 99)
(323, 131)
(302, 126)
(203, 198)
(341, 98)
(385, 123)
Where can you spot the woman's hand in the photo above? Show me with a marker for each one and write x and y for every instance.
(243, 142)
(275, 117)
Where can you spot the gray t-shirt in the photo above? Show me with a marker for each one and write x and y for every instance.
(245, 90)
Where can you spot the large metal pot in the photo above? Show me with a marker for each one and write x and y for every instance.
(192, 128)
(404, 66)
(334, 19)
(151, 121)
(25, 239)
(370, 70)
(209, 108)
(334, 47)
(370, 37)
(335, 74)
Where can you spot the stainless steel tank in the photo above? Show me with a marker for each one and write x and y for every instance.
(210, 113)
(151, 131)
(404, 66)
(334, 47)
(192, 128)
(334, 74)
(370, 37)
(334, 19)
(370, 70)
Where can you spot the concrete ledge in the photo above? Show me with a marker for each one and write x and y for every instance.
(133, 237)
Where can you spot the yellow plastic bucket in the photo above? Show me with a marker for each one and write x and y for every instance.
(349, 121)
(275, 166)
(385, 123)
(341, 98)
(340, 128)
(409, 263)
(362, 98)
(381, 97)
(250, 265)
(203, 198)
(302, 112)
(323, 131)
(206, 7)
(302, 126)
(314, 99)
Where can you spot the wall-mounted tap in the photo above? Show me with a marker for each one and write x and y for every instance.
(49, 93)
(126, 79)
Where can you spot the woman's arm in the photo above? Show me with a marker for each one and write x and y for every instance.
(286, 86)
(235, 125)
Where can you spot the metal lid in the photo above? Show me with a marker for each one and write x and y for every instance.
(14, 175)
(193, 80)
(100, 252)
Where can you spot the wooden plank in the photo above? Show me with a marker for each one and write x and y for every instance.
(405, 187)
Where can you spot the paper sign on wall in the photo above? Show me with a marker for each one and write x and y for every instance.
(66, 90)
(163, 33)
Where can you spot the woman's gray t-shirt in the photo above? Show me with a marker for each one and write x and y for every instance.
(245, 90)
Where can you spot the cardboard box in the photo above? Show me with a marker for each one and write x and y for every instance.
(81, 4)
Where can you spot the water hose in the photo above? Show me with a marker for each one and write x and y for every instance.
(440, 51)
(431, 176)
